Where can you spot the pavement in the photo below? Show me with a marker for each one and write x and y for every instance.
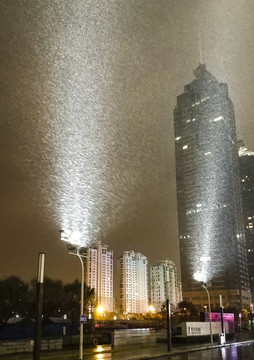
(160, 350)
(156, 353)
(135, 352)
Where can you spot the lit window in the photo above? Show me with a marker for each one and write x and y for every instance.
(185, 147)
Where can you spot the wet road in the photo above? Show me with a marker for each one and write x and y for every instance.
(234, 352)
(240, 352)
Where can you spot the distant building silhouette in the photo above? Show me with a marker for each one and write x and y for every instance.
(246, 159)
(163, 275)
(211, 230)
(134, 283)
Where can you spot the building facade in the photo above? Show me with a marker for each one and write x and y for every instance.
(99, 274)
(210, 222)
(163, 283)
(246, 160)
(134, 283)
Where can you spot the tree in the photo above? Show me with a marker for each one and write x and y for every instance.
(71, 304)
(14, 298)
(52, 297)
(187, 312)
(58, 299)
(72, 294)
(89, 298)
(245, 315)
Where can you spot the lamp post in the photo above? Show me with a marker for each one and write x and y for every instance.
(76, 249)
(168, 316)
(39, 304)
(81, 305)
(222, 335)
(221, 312)
(201, 276)
(203, 285)
(251, 319)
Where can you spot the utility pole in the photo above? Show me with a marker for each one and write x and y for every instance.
(168, 307)
(222, 335)
(39, 306)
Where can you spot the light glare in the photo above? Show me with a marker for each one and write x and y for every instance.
(205, 258)
(200, 276)
(73, 237)
(100, 309)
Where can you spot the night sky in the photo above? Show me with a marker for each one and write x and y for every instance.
(88, 90)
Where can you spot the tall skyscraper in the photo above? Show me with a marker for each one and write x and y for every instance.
(134, 283)
(211, 231)
(246, 159)
(163, 282)
(99, 274)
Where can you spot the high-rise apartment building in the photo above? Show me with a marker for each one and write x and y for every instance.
(134, 283)
(211, 231)
(246, 159)
(163, 283)
(99, 274)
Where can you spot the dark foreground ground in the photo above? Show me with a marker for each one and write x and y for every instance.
(239, 348)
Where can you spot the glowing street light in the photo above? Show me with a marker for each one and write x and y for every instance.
(75, 248)
(100, 310)
(100, 313)
(72, 237)
(200, 277)
(151, 309)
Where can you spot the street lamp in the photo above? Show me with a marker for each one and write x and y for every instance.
(74, 247)
(199, 277)
(251, 319)
(168, 307)
(203, 285)
(151, 309)
(100, 309)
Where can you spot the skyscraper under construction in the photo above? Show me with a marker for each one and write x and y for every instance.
(211, 232)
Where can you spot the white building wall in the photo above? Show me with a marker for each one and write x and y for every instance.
(163, 277)
(142, 283)
(134, 283)
(99, 274)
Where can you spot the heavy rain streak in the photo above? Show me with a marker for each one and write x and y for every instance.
(91, 152)
(87, 120)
